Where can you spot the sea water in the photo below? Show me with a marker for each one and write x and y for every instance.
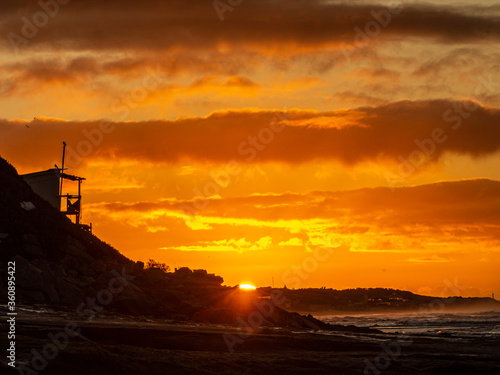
(474, 325)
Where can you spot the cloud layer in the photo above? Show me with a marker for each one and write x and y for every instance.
(262, 24)
(423, 218)
(417, 132)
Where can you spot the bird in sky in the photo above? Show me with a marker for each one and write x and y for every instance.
(34, 118)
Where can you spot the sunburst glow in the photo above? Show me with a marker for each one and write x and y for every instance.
(247, 287)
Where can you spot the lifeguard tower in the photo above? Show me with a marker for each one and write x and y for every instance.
(49, 185)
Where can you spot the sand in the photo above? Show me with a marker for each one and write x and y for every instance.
(124, 345)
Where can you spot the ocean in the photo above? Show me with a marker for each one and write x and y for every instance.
(471, 325)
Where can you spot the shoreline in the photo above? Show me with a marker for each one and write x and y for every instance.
(125, 345)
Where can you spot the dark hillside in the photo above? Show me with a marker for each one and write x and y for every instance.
(57, 263)
(61, 266)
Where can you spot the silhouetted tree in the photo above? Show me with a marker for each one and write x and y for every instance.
(154, 264)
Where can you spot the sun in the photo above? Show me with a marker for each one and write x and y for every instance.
(247, 287)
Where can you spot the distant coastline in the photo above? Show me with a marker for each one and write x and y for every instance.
(320, 301)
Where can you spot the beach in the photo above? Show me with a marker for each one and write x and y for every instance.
(124, 345)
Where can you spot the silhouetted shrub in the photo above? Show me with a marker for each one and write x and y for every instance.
(154, 264)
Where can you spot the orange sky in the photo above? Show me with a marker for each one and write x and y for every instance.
(338, 144)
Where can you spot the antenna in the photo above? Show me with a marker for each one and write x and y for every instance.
(62, 168)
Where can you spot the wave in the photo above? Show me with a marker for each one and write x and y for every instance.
(481, 324)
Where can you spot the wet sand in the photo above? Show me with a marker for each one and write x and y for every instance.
(122, 345)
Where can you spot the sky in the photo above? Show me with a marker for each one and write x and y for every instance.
(300, 143)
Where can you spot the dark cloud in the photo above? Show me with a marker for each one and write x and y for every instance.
(232, 81)
(26, 75)
(261, 24)
(239, 81)
(391, 132)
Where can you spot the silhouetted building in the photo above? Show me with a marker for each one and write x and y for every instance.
(46, 185)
